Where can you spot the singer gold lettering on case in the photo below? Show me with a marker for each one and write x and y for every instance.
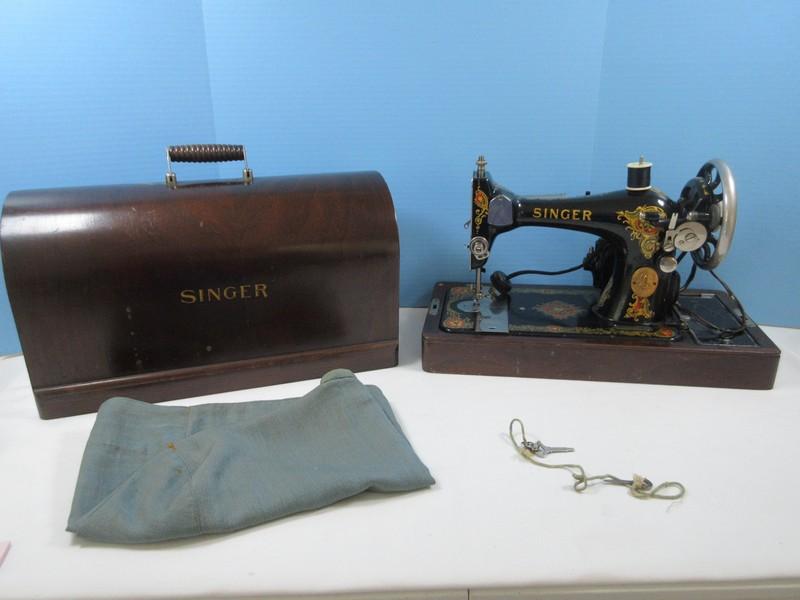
(245, 291)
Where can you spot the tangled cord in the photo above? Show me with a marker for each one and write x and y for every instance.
(722, 332)
(639, 486)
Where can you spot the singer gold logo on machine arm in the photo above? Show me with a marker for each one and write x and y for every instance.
(244, 291)
(563, 214)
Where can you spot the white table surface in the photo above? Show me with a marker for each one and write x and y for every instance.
(492, 522)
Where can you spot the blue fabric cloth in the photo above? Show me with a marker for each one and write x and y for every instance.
(152, 473)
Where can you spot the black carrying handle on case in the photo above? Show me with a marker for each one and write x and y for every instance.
(202, 153)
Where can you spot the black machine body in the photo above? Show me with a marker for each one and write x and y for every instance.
(637, 322)
(643, 234)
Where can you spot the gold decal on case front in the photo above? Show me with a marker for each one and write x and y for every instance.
(244, 291)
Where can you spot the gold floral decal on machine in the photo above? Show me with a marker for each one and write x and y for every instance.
(482, 202)
(644, 283)
(639, 308)
(642, 230)
(558, 309)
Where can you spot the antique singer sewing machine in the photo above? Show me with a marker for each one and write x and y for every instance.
(636, 323)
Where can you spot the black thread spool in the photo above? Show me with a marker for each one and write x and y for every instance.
(639, 176)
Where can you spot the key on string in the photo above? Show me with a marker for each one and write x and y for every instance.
(539, 449)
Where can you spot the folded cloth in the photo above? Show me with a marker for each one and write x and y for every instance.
(152, 473)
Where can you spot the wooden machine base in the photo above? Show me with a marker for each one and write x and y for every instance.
(556, 344)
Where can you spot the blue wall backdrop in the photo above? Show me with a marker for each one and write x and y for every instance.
(558, 96)
(686, 81)
(92, 93)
